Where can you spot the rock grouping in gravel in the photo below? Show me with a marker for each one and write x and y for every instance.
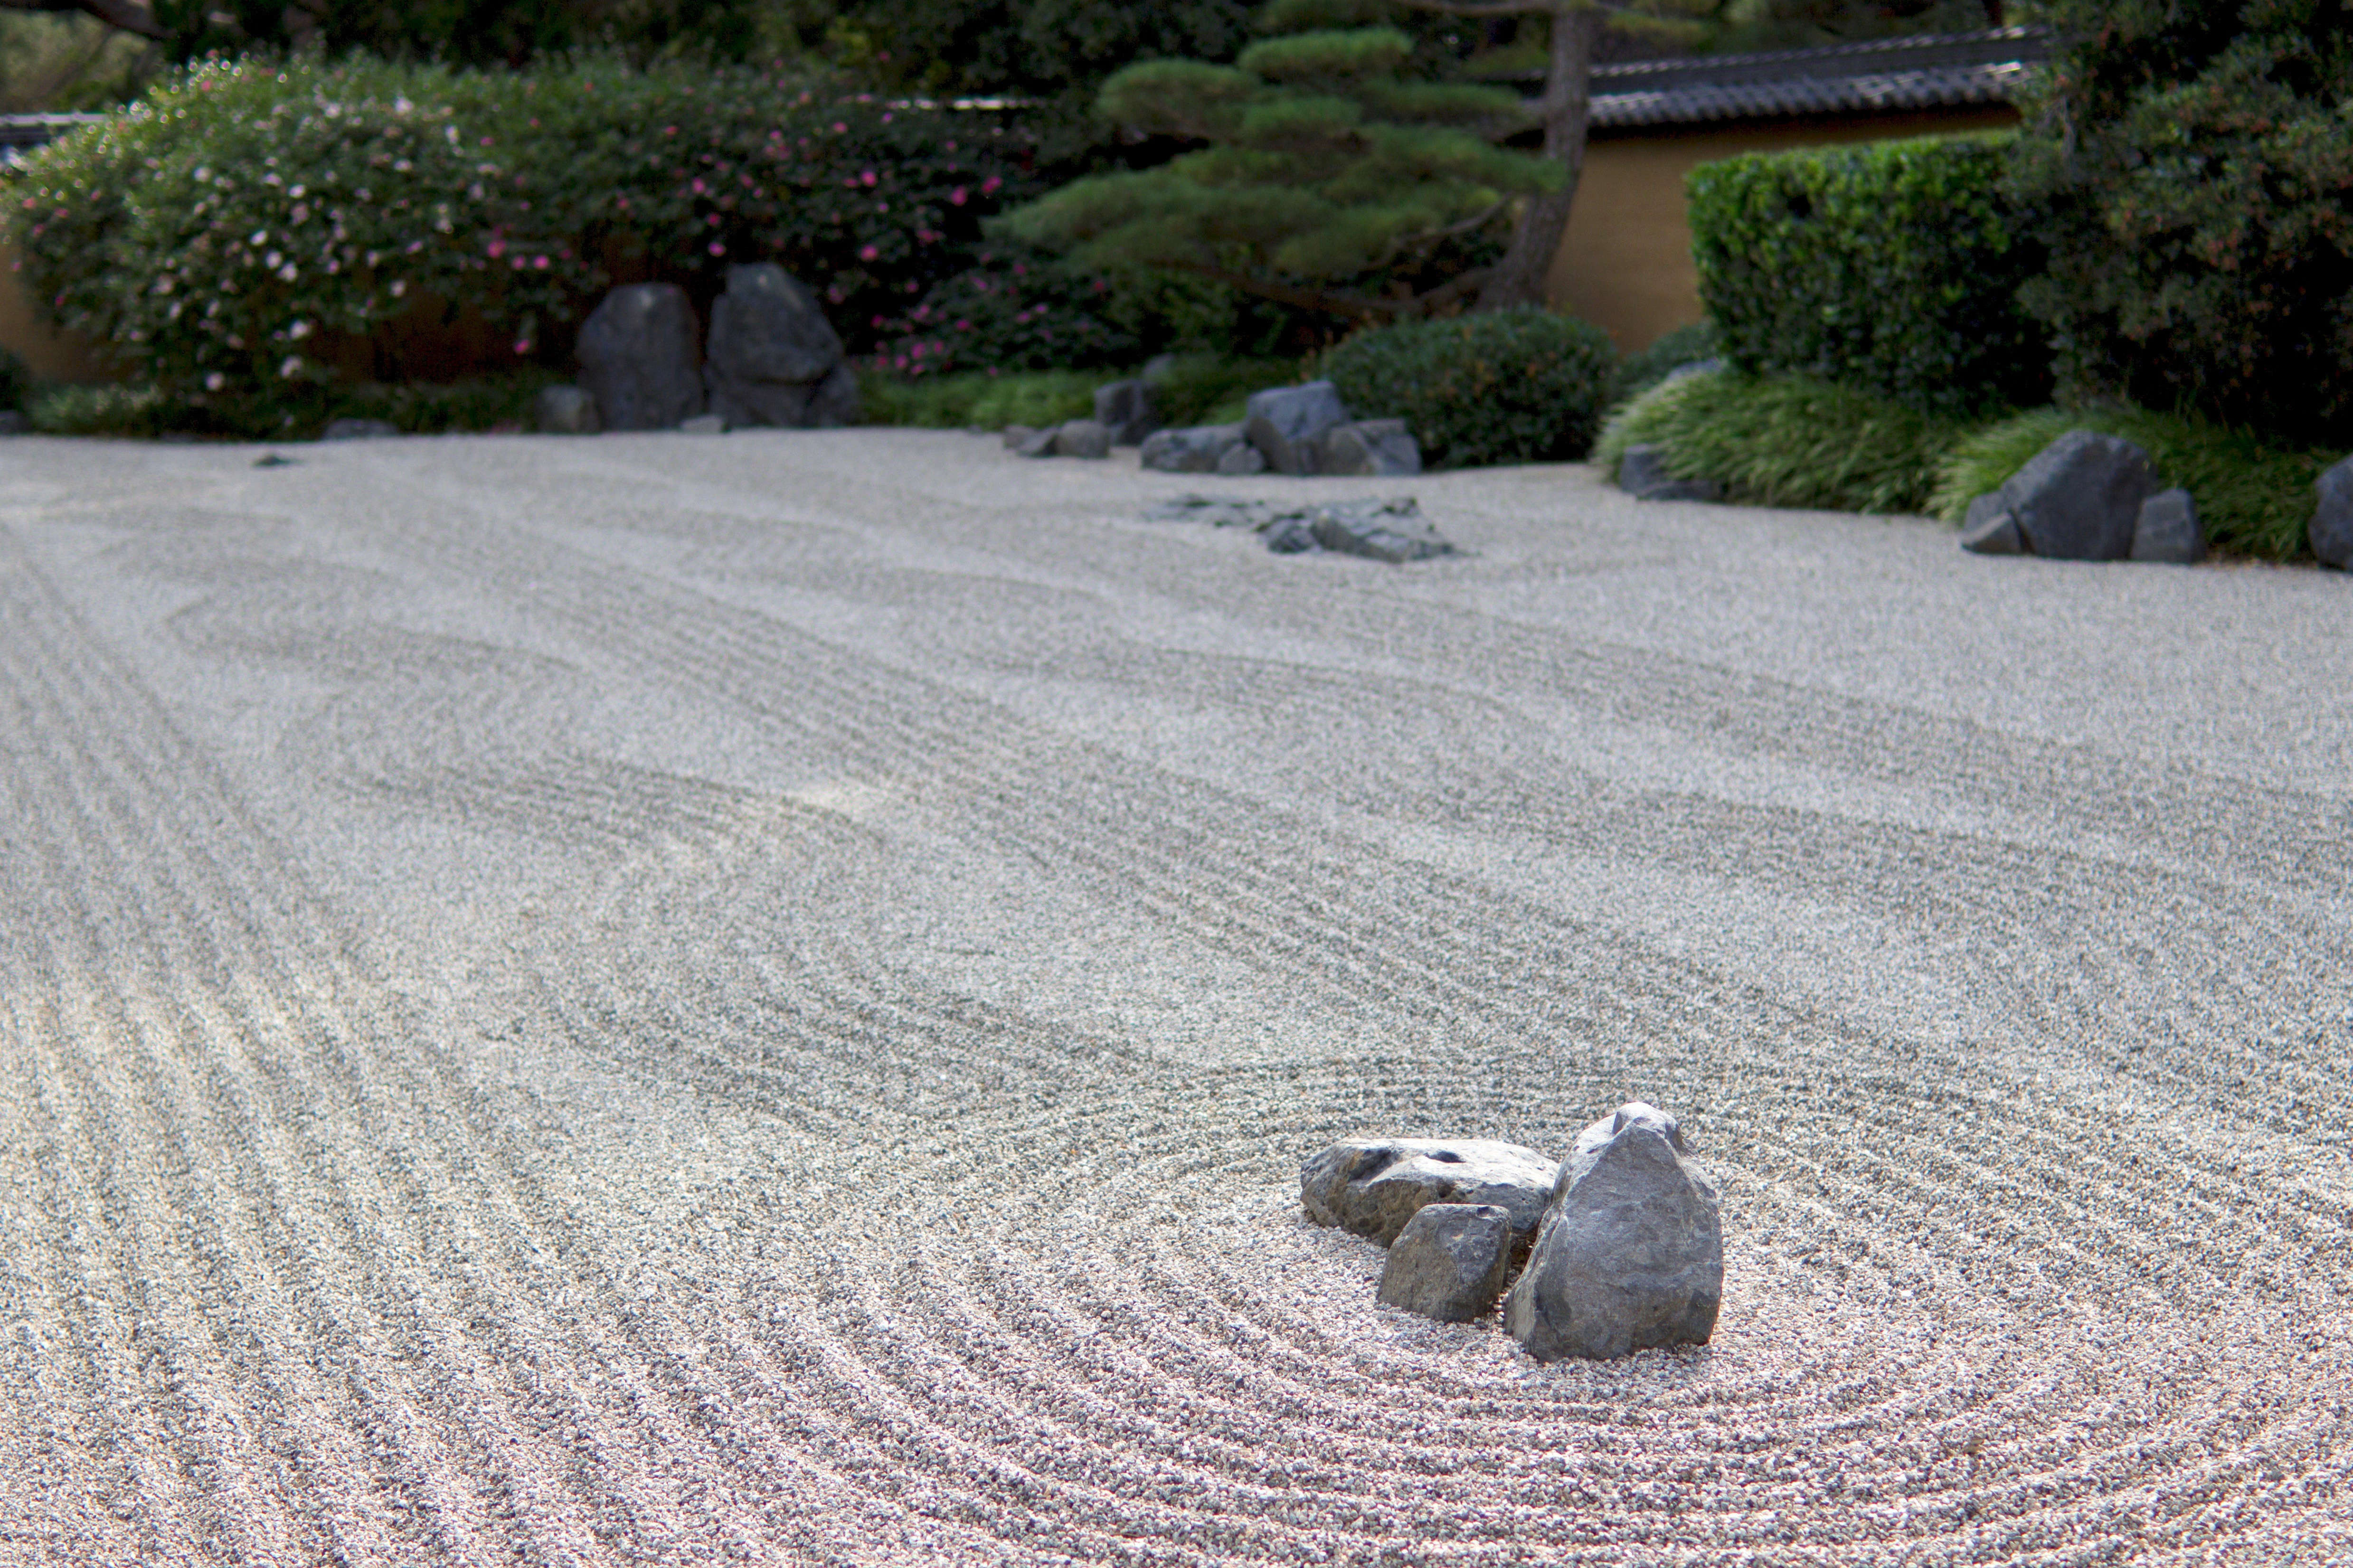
(1371, 1186)
(1393, 531)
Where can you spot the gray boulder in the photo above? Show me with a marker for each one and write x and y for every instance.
(638, 358)
(1081, 438)
(1632, 1250)
(1192, 450)
(2167, 529)
(1241, 458)
(2331, 533)
(359, 430)
(1287, 423)
(1125, 408)
(1371, 1186)
(774, 359)
(1449, 1262)
(1016, 434)
(2079, 498)
(1369, 448)
(565, 411)
(1642, 474)
(1037, 443)
(1989, 530)
(1392, 530)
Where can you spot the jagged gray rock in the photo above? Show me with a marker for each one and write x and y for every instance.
(1081, 438)
(638, 358)
(2331, 533)
(1371, 1186)
(1450, 1261)
(1369, 448)
(1287, 423)
(2079, 498)
(1642, 474)
(774, 359)
(1630, 1253)
(1989, 530)
(2167, 531)
(1291, 536)
(1192, 450)
(1392, 530)
(1124, 408)
(1241, 459)
(565, 411)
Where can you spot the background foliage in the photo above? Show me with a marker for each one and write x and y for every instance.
(1892, 266)
(1500, 386)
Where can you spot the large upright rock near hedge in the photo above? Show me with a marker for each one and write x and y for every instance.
(2079, 499)
(1630, 1253)
(638, 358)
(2332, 516)
(774, 359)
(1287, 423)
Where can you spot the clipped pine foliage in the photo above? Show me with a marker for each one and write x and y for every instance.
(1892, 265)
(1789, 441)
(1497, 386)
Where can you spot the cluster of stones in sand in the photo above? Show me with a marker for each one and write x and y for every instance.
(1618, 1248)
(1296, 430)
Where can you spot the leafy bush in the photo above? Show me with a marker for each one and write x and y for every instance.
(295, 412)
(1893, 266)
(276, 221)
(2253, 498)
(1638, 372)
(1788, 441)
(1009, 310)
(1498, 386)
(2197, 156)
(1194, 389)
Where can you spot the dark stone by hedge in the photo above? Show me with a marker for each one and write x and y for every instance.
(1286, 424)
(1450, 1261)
(1192, 450)
(2331, 534)
(1241, 458)
(1125, 407)
(1369, 448)
(2167, 529)
(638, 358)
(2079, 498)
(774, 359)
(1631, 1252)
(1989, 530)
(565, 411)
(1081, 438)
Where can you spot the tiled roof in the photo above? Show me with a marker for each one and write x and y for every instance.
(20, 133)
(1939, 70)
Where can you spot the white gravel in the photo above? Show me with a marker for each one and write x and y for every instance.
(759, 999)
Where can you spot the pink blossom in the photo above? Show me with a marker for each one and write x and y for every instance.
(865, 177)
(540, 262)
(867, 252)
(963, 326)
(498, 247)
(718, 248)
(522, 345)
(839, 128)
(700, 189)
(988, 186)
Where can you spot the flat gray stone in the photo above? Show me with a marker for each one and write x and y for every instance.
(1631, 1254)
(704, 425)
(638, 358)
(1291, 535)
(1450, 1261)
(1125, 407)
(1369, 448)
(2331, 533)
(1989, 530)
(1195, 449)
(1392, 530)
(359, 430)
(2079, 498)
(565, 411)
(2167, 531)
(1371, 1186)
(1039, 443)
(1241, 459)
(1081, 438)
(1216, 510)
(1286, 424)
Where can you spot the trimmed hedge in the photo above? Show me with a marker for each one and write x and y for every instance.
(1893, 267)
(1788, 441)
(248, 226)
(1497, 386)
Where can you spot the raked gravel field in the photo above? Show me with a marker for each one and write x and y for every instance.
(759, 1000)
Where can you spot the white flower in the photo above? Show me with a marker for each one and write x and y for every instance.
(401, 106)
(301, 213)
(293, 363)
(296, 193)
(399, 287)
(272, 260)
(289, 272)
(298, 330)
(215, 382)
(258, 236)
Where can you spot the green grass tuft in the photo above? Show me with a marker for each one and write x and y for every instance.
(2254, 499)
(1787, 442)
(1193, 389)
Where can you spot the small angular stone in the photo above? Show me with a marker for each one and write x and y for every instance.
(2331, 533)
(2079, 498)
(1081, 438)
(1371, 1186)
(1240, 460)
(1125, 407)
(1286, 424)
(1989, 530)
(1450, 1261)
(2167, 531)
(1192, 450)
(565, 411)
(1039, 443)
(1631, 1254)
(1291, 535)
(1369, 448)
(1390, 531)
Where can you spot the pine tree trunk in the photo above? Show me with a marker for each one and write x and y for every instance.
(1519, 277)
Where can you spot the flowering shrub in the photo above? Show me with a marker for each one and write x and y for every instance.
(1008, 310)
(223, 233)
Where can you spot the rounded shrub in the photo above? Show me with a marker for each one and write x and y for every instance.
(1497, 386)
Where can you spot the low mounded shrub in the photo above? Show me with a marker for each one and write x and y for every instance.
(1496, 386)
(250, 224)
(1892, 265)
(2252, 499)
(1638, 372)
(1788, 441)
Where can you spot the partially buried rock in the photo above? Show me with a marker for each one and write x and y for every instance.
(1192, 450)
(1287, 423)
(1392, 530)
(1015, 435)
(1631, 1254)
(1039, 443)
(2167, 531)
(565, 411)
(638, 358)
(1989, 530)
(1124, 408)
(1371, 1186)
(1450, 1261)
(2079, 499)
(2331, 533)
(1642, 474)
(1081, 438)
(1369, 448)
(774, 359)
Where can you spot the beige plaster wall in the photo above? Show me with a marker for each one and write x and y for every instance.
(51, 354)
(1625, 263)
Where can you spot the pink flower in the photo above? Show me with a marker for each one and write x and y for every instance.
(522, 345)
(867, 252)
(917, 350)
(717, 248)
(540, 262)
(839, 128)
(866, 178)
(956, 198)
(700, 189)
(963, 326)
(498, 247)
(877, 322)
(988, 186)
